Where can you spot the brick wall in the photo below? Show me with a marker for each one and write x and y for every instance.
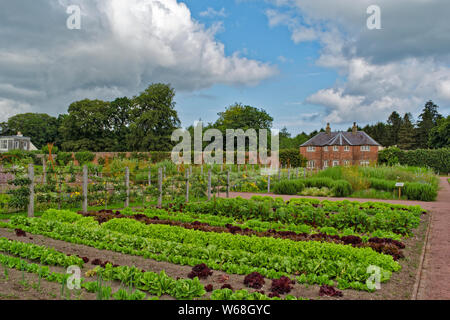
(354, 155)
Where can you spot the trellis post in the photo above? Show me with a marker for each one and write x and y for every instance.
(31, 202)
(187, 186)
(209, 184)
(160, 179)
(127, 186)
(268, 183)
(44, 169)
(149, 176)
(85, 188)
(228, 183)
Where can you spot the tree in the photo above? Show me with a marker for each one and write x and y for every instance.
(428, 120)
(378, 133)
(406, 133)
(40, 127)
(440, 135)
(394, 123)
(243, 117)
(87, 127)
(153, 119)
(120, 119)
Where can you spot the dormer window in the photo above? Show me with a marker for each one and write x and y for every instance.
(311, 149)
(347, 148)
(365, 148)
(335, 148)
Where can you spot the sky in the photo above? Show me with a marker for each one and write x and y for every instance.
(306, 62)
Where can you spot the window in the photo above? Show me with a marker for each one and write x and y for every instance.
(364, 163)
(16, 144)
(4, 144)
(347, 148)
(346, 162)
(325, 148)
(325, 164)
(311, 164)
(311, 149)
(335, 148)
(365, 148)
(335, 163)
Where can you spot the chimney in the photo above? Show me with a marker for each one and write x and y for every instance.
(328, 129)
(355, 128)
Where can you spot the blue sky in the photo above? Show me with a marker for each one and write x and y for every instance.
(246, 30)
(306, 62)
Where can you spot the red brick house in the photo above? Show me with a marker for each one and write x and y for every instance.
(329, 149)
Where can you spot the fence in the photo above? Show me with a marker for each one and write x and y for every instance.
(59, 188)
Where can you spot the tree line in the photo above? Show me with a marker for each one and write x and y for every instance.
(145, 123)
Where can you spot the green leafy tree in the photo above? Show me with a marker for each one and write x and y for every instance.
(428, 119)
(243, 117)
(440, 135)
(87, 127)
(153, 119)
(120, 119)
(40, 127)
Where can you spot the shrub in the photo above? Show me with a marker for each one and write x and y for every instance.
(342, 188)
(290, 187)
(292, 157)
(101, 161)
(84, 157)
(420, 191)
(64, 158)
(380, 184)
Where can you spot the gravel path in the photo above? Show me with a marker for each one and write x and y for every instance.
(435, 274)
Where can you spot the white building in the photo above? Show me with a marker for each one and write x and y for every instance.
(18, 142)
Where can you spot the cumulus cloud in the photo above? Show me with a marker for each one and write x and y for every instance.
(121, 48)
(398, 67)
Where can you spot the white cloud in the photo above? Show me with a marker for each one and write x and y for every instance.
(122, 47)
(397, 68)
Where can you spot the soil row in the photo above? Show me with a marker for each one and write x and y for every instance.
(381, 245)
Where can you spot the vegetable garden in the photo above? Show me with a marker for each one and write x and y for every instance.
(212, 248)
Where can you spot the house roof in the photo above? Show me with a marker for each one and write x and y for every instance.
(341, 138)
(15, 137)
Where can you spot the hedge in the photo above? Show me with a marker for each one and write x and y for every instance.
(84, 157)
(437, 159)
(340, 188)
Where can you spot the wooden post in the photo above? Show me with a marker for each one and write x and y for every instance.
(44, 170)
(31, 202)
(127, 185)
(160, 179)
(268, 183)
(60, 194)
(150, 177)
(228, 183)
(85, 188)
(187, 186)
(209, 184)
